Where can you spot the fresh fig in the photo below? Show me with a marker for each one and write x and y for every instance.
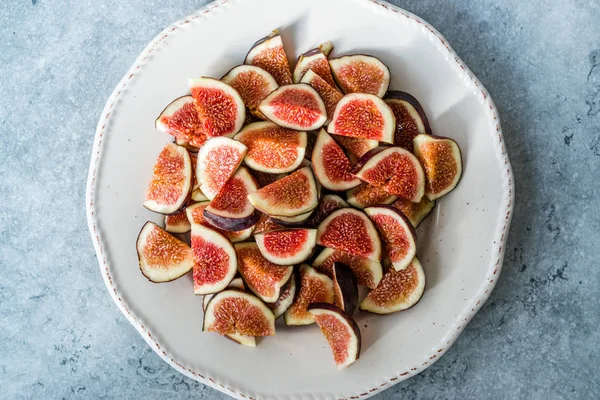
(236, 283)
(356, 146)
(296, 106)
(345, 288)
(195, 214)
(262, 277)
(268, 53)
(351, 231)
(361, 74)
(329, 93)
(394, 169)
(271, 148)
(171, 183)
(252, 83)
(218, 160)
(415, 212)
(162, 256)
(286, 297)
(220, 107)
(177, 223)
(410, 118)
(329, 203)
(368, 273)
(363, 116)
(313, 287)
(197, 194)
(315, 60)
(340, 330)
(442, 162)
(331, 165)
(296, 220)
(287, 246)
(367, 195)
(216, 262)
(179, 141)
(397, 291)
(266, 224)
(181, 120)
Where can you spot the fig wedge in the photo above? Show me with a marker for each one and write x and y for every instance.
(345, 288)
(361, 74)
(313, 287)
(195, 214)
(329, 93)
(296, 106)
(368, 272)
(356, 146)
(268, 53)
(415, 212)
(331, 165)
(287, 246)
(410, 118)
(236, 283)
(252, 83)
(216, 261)
(329, 203)
(218, 160)
(181, 120)
(177, 223)
(266, 224)
(367, 195)
(315, 60)
(296, 220)
(286, 297)
(197, 194)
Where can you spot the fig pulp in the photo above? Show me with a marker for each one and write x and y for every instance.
(181, 120)
(329, 94)
(313, 287)
(268, 53)
(367, 195)
(331, 165)
(345, 288)
(442, 162)
(266, 224)
(296, 106)
(287, 246)
(356, 146)
(410, 118)
(368, 273)
(315, 60)
(252, 83)
(177, 223)
(195, 215)
(415, 212)
(286, 297)
(162, 256)
(236, 283)
(361, 74)
(216, 262)
(218, 160)
(329, 203)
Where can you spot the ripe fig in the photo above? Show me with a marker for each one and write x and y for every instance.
(329, 203)
(218, 160)
(216, 262)
(410, 118)
(356, 146)
(197, 194)
(236, 283)
(397, 291)
(268, 53)
(415, 212)
(177, 223)
(442, 162)
(181, 120)
(368, 273)
(252, 83)
(286, 297)
(367, 195)
(171, 183)
(351, 231)
(162, 256)
(329, 93)
(287, 246)
(183, 143)
(345, 288)
(266, 224)
(220, 107)
(296, 106)
(393, 169)
(296, 220)
(271, 148)
(331, 165)
(363, 116)
(315, 60)
(313, 287)
(195, 214)
(361, 74)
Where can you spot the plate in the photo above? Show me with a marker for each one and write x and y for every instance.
(461, 245)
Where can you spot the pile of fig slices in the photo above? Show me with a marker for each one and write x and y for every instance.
(296, 187)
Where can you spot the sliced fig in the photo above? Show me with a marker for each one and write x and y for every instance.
(181, 120)
(313, 287)
(171, 183)
(287, 246)
(361, 74)
(368, 272)
(442, 162)
(286, 298)
(197, 194)
(331, 165)
(345, 288)
(340, 330)
(315, 60)
(296, 220)
(266, 224)
(262, 277)
(351, 231)
(292, 195)
(394, 169)
(296, 106)
(367, 195)
(216, 262)
(162, 256)
(329, 203)
(363, 116)
(268, 53)
(184, 143)
(410, 118)
(195, 214)
(329, 93)
(356, 146)
(252, 83)
(415, 212)
(177, 223)
(271, 148)
(218, 160)
(397, 291)
(236, 283)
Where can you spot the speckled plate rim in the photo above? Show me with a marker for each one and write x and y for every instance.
(466, 314)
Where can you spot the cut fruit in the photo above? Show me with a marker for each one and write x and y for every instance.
(367, 195)
(415, 212)
(363, 116)
(345, 288)
(162, 257)
(220, 107)
(171, 183)
(231, 210)
(329, 94)
(236, 283)
(286, 298)
(287, 246)
(218, 160)
(296, 220)
(397, 233)
(329, 203)
(266, 224)
(393, 169)
(313, 287)
(361, 74)
(315, 61)
(296, 106)
(410, 118)
(331, 165)
(216, 262)
(341, 332)
(356, 146)
(252, 83)
(351, 231)
(182, 142)
(195, 214)
(292, 195)
(271, 148)
(197, 194)
(368, 273)
(397, 291)
(181, 120)
(262, 277)
(264, 178)
(442, 162)
(177, 223)
(268, 53)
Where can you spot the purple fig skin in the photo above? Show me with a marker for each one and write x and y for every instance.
(409, 98)
(344, 315)
(344, 283)
(232, 224)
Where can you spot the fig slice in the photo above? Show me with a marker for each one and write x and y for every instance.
(268, 53)
(162, 257)
(397, 233)
(361, 74)
(315, 60)
(331, 165)
(271, 148)
(442, 162)
(329, 203)
(340, 330)
(171, 183)
(292, 195)
(312, 287)
(180, 119)
(397, 291)
(367, 195)
(296, 106)
(296, 220)
(195, 214)
(266, 224)
(252, 83)
(220, 107)
(261, 276)
(410, 118)
(236, 283)
(368, 272)
(329, 93)
(197, 194)
(286, 297)
(415, 212)
(177, 223)
(216, 261)
(363, 116)
(345, 288)
(218, 160)
(356, 146)
(394, 169)
(351, 231)
(287, 246)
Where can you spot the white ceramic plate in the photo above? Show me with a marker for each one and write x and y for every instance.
(461, 245)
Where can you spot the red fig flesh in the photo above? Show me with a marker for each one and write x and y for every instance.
(181, 120)
(329, 94)
(216, 262)
(296, 106)
(286, 298)
(368, 272)
(287, 246)
(268, 53)
(410, 118)
(361, 74)
(356, 146)
(195, 214)
(415, 212)
(367, 195)
(345, 288)
(177, 223)
(236, 283)
(315, 60)
(266, 224)
(331, 165)
(314, 287)
(442, 162)
(218, 160)
(252, 83)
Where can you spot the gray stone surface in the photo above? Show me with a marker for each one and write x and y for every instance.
(62, 337)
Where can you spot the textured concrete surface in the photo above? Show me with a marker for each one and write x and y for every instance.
(62, 337)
